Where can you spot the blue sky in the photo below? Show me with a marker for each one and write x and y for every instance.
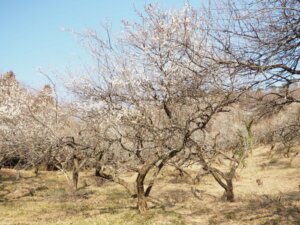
(31, 34)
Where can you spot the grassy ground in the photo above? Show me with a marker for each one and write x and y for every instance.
(46, 199)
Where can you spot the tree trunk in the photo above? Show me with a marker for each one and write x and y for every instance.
(228, 186)
(141, 193)
(36, 170)
(18, 174)
(97, 172)
(142, 203)
(229, 191)
(287, 154)
(75, 172)
(141, 199)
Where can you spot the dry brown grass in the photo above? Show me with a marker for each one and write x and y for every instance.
(46, 199)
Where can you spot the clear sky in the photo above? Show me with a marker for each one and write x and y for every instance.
(31, 34)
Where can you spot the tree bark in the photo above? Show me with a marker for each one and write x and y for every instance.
(141, 198)
(75, 172)
(36, 170)
(142, 203)
(228, 186)
(141, 193)
(229, 191)
(97, 173)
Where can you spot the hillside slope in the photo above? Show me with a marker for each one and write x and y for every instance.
(267, 192)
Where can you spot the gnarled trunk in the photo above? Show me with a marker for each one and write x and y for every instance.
(228, 186)
(141, 192)
(141, 198)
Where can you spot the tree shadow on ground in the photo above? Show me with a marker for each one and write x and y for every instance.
(252, 209)
(267, 209)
